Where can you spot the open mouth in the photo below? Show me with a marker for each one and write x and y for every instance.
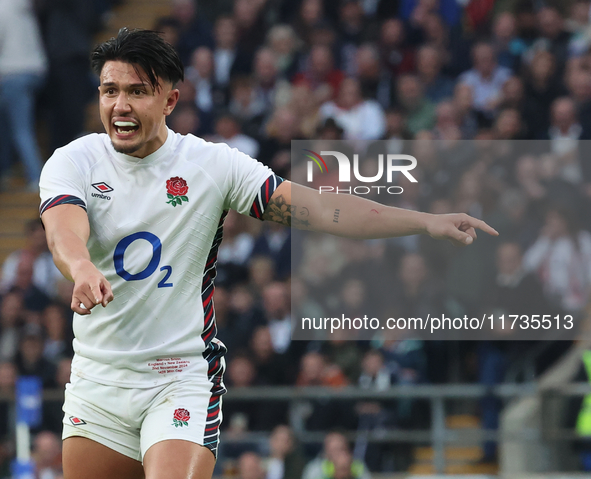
(125, 128)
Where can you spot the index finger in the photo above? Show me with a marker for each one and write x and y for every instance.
(107, 293)
(481, 225)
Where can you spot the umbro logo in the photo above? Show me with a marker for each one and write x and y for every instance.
(103, 188)
(76, 421)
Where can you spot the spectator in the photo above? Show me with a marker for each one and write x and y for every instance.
(352, 30)
(10, 318)
(406, 361)
(277, 311)
(374, 415)
(68, 28)
(509, 49)
(334, 445)
(564, 133)
(360, 119)
(396, 132)
(8, 375)
(29, 359)
(542, 87)
(315, 371)
(248, 314)
(515, 289)
(436, 86)
(553, 36)
(47, 455)
(467, 119)
(250, 21)
(513, 96)
(261, 272)
(23, 66)
(304, 107)
(270, 88)
(486, 78)
(283, 42)
(508, 125)
(286, 460)
(238, 241)
(446, 123)
(247, 415)
(376, 83)
(419, 293)
(185, 120)
(561, 257)
(64, 369)
(170, 29)
(577, 24)
(228, 131)
(283, 126)
(194, 30)
(35, 256)
(202, 74)
(225, 317)
(344, 467)
(272, 369)
(310, 15)
(320, 74)
(250, 466)
(58, 344)
(244, 103)
(226, 53)
(396, 56)
(346, 354)
(275, 242)
(453, 47)
(420, 112)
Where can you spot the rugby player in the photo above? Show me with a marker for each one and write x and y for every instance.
(134, 218)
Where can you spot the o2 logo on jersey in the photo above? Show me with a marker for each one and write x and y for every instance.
(152, 265)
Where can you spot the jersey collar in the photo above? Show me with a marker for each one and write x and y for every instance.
(147, 160)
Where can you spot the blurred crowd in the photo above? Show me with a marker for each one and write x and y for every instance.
(424, 75)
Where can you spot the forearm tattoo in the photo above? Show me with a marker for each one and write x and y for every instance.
(289, 215)
(335, 218)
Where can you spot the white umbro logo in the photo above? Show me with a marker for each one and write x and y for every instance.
(102, 187)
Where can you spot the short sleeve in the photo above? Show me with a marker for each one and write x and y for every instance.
(61, 183)
(251, 185)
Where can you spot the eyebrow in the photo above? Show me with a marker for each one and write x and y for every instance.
(133, 85)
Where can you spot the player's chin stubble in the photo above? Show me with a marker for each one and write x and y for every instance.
(127, 149)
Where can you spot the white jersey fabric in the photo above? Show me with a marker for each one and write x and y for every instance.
(156, 243)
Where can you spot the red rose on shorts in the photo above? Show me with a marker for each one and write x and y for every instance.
(181, 418)
(176, 186)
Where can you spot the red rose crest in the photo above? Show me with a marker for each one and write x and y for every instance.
(181, 418)
(176, 190)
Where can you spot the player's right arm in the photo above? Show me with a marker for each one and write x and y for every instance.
(67, 230)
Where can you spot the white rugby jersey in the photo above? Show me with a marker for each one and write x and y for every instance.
(156, 224)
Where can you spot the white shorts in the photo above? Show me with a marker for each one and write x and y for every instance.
(129, 421)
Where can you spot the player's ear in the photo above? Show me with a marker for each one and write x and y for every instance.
(171, 101)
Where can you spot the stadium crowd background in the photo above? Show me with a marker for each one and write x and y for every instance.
(260, 73)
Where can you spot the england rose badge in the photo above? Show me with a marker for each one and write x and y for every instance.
(176, 190)
(181, 418)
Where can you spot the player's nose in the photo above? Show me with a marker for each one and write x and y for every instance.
(122, 103)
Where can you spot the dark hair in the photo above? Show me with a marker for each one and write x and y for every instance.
(145, 50)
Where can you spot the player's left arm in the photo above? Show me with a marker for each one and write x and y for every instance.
(355, 217)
